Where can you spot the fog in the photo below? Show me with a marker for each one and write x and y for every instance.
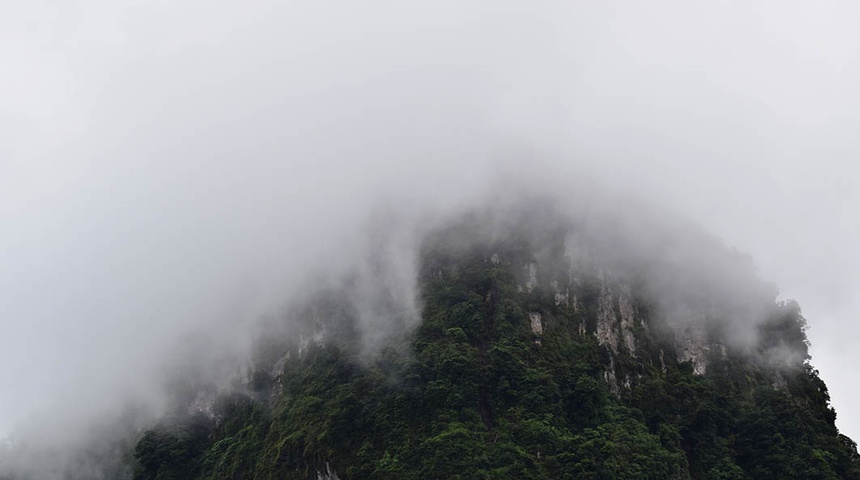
(170, 170)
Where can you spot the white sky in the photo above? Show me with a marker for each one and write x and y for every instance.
(158, 159)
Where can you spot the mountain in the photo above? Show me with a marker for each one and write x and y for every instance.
(539, 344)
(549, 346)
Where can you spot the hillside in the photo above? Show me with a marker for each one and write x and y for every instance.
(548, 347)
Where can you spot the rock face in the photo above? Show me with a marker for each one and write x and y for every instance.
(608, 306)
(616, 317)
(536, 323)
(619, 324)
(692, 341)
(328, 474)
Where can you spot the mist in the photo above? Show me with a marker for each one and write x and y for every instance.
(172, 172)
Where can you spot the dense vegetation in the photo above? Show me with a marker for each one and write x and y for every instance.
(477, 393)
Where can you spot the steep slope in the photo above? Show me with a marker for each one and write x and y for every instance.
(549, 347)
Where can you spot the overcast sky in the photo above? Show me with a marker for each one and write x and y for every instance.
(171, 164)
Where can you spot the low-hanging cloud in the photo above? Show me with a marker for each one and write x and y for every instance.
(174, 170)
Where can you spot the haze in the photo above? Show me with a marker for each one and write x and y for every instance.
(169, 169)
